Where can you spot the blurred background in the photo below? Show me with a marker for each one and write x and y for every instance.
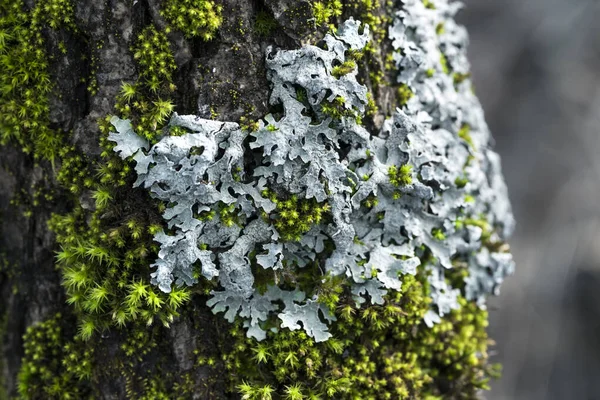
(536, 68)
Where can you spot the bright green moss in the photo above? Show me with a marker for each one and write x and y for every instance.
(461, 182)
(376, 352)
(429, 4)
(326, 10)
(404, 94)
(465, 134)
(444, 64)
(438, 234)
(293, 216)
(375, 13)
(343, 69)
(400, 176)
(147, 102)
(100, 262)
(24, 82)
(195, 18)
(371, 109)
(440, 29)
(248, 124)
(337, 110)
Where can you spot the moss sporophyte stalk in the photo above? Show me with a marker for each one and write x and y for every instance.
(350, 260)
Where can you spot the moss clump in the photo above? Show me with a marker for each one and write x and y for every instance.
(195, 18)
(293, 217)
(429, 4)
(264, 23)
(104, 265)
(404, 94)
(376, 352)
(25, 82)
(51, 368)
(343, 69)
(337, 110)
(460, 77)
(444, 64)
(400, 176)
(326, 10)
(147, 101)
(461, 182)
(465, 134)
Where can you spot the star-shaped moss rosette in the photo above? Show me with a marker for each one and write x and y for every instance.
(309, 195)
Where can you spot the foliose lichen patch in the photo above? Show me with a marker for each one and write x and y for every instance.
(274, 209)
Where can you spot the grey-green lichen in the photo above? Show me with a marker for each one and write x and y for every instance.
(317, 149)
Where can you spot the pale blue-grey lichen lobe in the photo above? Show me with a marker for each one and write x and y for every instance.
(337, 161)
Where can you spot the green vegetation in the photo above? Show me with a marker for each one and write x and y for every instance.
(377, 352)
(400, 176)
(195, 18)
(52, 368)
(147, 101)
(105, 252)
(326, 10)
(264, 23)
(25, 82)
(404, 94)
(465, 134)
(343, 69)
(294, 217)
(336, 109)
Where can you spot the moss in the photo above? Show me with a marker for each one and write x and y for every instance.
(376, 352)
(404, 94)
(429, 4)
(195, 18)
(343, 69)
(51, 368)
(440, 29)
(25, 82)
(147, 102)
(438, 234)
(293, 216)
(400, 176)
(444, 64)
(326, 10)
(265, 23)
(461, 182)
(248, 124)
(337, 110)
(371, 109)
(465, 134)
(105, 251)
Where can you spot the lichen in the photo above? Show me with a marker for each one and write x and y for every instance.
(317, 150)
(352, 262)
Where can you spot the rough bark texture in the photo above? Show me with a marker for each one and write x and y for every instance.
(226, 77)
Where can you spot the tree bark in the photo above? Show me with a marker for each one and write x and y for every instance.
(89, 59)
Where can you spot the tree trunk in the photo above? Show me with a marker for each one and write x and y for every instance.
(79, 315)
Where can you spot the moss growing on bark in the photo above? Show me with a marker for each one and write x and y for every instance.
(25, 84)
(106, 246)
(195, 18)
(376, 352)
